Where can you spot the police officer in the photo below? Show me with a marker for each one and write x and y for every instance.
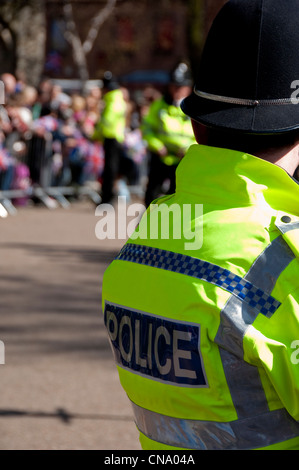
(111, 131)
(168, 133)
(207, 340)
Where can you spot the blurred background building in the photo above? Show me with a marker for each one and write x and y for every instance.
(80, 39)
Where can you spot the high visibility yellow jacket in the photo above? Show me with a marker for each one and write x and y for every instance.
(112, 122)
(165, 125)
(206, 335)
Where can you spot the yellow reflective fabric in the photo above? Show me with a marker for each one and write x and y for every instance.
(165, 125)
(273, 345)
(112, 122)
(292, 239)
(242, 198)
(151, 297)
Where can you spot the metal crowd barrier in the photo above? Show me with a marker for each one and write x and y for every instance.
(39, 159)
(51, 197)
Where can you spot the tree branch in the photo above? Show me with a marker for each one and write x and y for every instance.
(97, 22)
(71, 34)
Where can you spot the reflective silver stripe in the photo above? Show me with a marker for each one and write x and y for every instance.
(243, 380)
(243, 434)
(285, 227)
(256, 426)
(237, 316)
(245, 386)
(242, 101)
(270, 264)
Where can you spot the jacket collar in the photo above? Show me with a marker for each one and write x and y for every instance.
(229, 178)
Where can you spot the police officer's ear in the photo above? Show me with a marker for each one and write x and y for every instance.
(200, 132)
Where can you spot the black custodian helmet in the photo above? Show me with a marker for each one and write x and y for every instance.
(248, 78)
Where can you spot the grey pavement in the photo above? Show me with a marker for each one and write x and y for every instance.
(59, 385)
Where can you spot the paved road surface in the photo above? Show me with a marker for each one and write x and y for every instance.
(59, 386)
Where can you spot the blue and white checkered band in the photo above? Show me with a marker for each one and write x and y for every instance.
(209, 272)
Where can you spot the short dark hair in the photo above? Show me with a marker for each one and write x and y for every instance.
(250, 143)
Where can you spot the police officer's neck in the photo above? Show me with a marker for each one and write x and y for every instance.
(286, 157)
(281, 150)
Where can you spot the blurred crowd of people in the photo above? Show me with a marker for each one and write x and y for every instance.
(46, 135)
(51, 137)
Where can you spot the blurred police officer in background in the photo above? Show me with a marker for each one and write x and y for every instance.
(206, 340)
(168, 133)
(111, 131)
